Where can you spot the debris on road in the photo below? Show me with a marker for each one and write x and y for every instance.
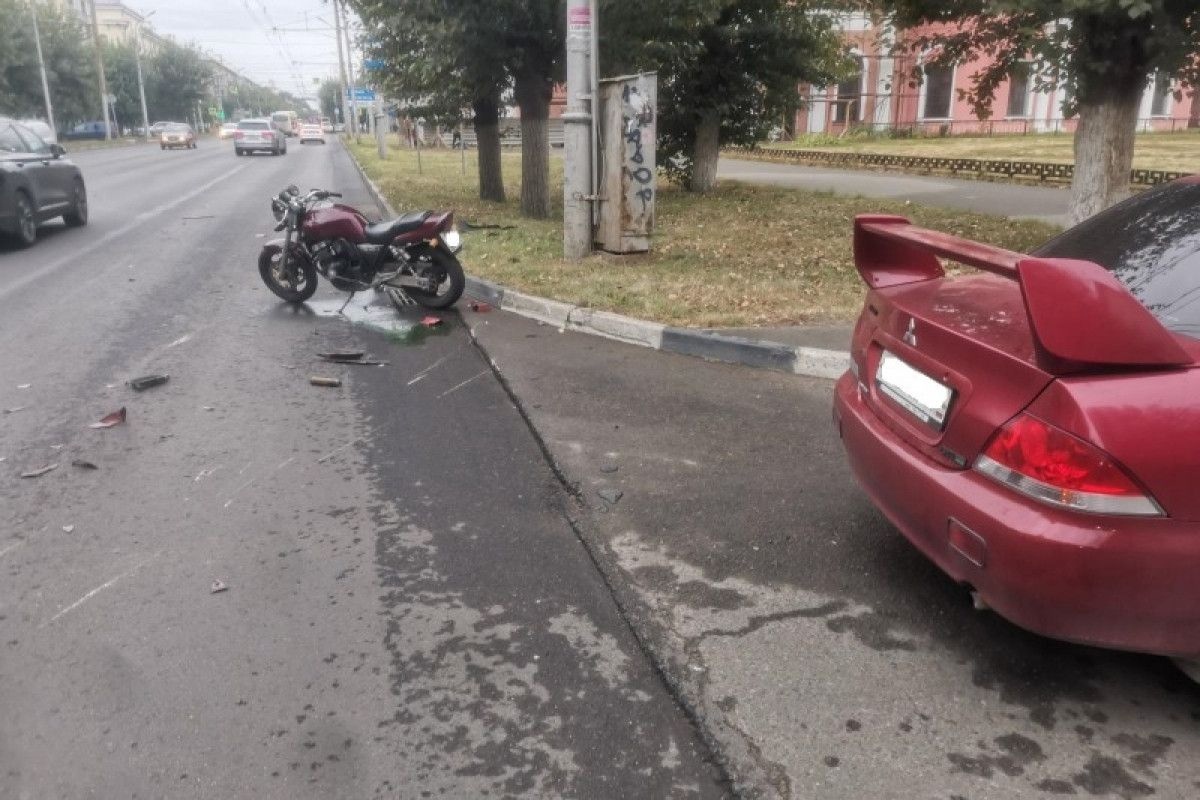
(14, 409)
(147, 381)
(609, 468)
(317, 380)
(111, 420)
(37, 473)
(431, 321)
(217, 586)
(480, 307)
(68, 528)
(209, 408)
(343, 355)
(24, 385)
(82, 464)
(610, 496)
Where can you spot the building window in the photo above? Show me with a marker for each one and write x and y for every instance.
(849, 96)
(939, 91)
(1018, 91)
(1160, 102)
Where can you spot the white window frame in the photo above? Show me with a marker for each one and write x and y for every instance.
(862, 89)
(922, 92)
(1027, 112)
(1168, 101)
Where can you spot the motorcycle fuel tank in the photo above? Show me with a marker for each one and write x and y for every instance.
(335, 222)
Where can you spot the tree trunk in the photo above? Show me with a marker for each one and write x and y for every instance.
(487, 137)
(706, 152)
(1103, 153)
(533, 98)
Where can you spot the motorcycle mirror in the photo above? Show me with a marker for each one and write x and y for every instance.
(293, 189)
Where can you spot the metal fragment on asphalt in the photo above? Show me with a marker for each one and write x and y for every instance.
(40, 471)
(68, 528)
(147, 381)
(217, 586)
(355, 355)
(24, 385)
(111, 420)
(611, 495)
(14, 409)
(317, 380)
(82, 464)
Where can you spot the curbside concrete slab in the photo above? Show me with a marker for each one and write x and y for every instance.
(808, 361)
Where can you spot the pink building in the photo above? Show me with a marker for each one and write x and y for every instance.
(881, 95)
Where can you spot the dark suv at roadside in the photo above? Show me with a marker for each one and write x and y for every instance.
(37, 183)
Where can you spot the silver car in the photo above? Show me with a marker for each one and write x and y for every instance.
(259, 134)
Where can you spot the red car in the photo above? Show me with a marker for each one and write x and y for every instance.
(1034, 428)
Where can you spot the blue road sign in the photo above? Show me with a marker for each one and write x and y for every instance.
(362, 95)
(372, 63)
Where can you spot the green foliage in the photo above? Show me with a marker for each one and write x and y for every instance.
(70, 69)
(120, 71)
(1106, 48)
(742, 59)
(328, 96)
(178, 76)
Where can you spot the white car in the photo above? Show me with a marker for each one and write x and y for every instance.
(311, 133)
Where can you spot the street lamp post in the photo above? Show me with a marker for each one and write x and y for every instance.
(141, 84)
(100, 71)
(37, 41)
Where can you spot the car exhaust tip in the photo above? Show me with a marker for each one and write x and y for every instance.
(977, 601)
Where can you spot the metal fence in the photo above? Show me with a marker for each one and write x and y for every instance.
(991, 127)
(1041, 171)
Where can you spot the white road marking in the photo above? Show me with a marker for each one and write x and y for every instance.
(461, 385)
(6, 550)
(100, 589)
(138, 220)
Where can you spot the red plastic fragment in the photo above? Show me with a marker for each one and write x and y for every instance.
(111, 420)
(431, 321)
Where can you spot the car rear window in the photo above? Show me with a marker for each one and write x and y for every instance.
(253, 126)
(9, 141)
(1151, 243)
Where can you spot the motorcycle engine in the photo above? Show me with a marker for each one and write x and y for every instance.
(338, 260)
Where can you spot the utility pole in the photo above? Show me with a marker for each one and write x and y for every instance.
(37, 40)
(100, 72)
(578, 192)
(141, 84)
(354, 127)
(337, 27)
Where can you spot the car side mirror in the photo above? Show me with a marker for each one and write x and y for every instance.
(58, 150)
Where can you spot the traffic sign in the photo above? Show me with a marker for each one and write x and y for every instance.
(373, 63)
(362, 95)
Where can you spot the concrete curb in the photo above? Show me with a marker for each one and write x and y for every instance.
(808, 361)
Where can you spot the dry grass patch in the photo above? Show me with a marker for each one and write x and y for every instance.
(742, 256)
(1166, 151)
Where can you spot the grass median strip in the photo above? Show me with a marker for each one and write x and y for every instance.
(741, 256)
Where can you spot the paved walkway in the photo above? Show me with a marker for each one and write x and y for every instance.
(1045, 203)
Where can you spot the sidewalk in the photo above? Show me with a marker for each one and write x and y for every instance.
(1025, 202)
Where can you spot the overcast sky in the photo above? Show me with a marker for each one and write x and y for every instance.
(286, 42)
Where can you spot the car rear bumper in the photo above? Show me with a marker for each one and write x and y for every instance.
(1121, 582)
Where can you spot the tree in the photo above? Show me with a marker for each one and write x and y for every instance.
(1105, 50)
(120, 71)
(727, 69)
(328, 95)
(177, 79)
(70, 69)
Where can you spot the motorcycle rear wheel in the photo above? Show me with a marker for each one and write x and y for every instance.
(270, 262)
(451, 279)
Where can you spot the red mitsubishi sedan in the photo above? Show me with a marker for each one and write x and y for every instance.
(1034, 427)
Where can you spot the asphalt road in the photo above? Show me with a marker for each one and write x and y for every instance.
(408, 611)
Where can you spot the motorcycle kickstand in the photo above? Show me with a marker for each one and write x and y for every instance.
(348, 299)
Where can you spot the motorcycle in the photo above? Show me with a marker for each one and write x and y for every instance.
(416, 253)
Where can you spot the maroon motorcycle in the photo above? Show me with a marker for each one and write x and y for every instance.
(415, 252)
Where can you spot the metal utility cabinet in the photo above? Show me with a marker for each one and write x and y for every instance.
(628, 185)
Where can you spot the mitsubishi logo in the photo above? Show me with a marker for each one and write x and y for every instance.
(910, 333)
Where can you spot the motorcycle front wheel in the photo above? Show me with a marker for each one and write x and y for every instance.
(444, 268)
(293, 290)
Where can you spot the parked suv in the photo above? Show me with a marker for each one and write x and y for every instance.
(37, 183)
(259, 134)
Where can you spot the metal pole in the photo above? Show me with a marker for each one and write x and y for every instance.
(337, 26)
(577, 125)
(141, 83)
(381, 131)
(594, 91)
(462, 148)
(350, 73)
(37, 40)
(100, 72)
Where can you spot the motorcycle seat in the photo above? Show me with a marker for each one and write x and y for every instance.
(384, 232)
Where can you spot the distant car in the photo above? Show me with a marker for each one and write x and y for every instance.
(258, 135)
(89, 130)
(311, 133)
(37, 183)
(228, 129)
(1032, 430)
(41, 128)
(178, 134)
(326, 125)
(157, 128)
(338, 127)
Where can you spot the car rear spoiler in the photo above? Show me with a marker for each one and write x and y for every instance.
(1081, 316)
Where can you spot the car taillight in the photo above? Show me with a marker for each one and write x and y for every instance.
(238, 134)
(1048, 464)
(268, 135)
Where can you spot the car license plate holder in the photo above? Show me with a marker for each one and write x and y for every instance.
(920, 395)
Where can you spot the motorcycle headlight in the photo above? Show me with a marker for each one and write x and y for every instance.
(278, 209)
(453, 240)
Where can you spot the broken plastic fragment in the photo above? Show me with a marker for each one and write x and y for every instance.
(79, 462)
(68, 528)
(146, 381)
(14, 409)
(37, 473)
(611, 495)
(317, 380)
(110, 420)
(480, 306)
(356, 355)
(431, 321)
(24, 385)
(217, 586)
